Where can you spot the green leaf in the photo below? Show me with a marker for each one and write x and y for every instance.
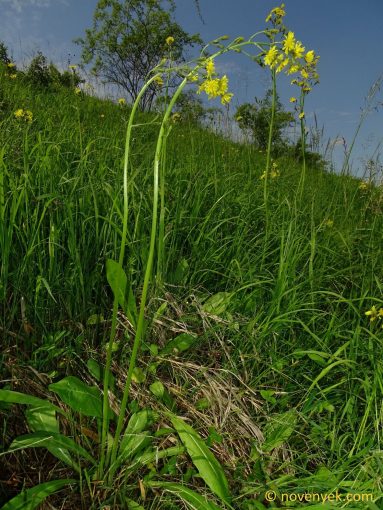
(14, 397)
(117, 280)
(190, 497)
(95, 319)
(159, 391)
(208, 466)
(138, 375)
(279, 429)
(42, 417)
(178, 344)
(94, 369)
(51, 441)
(268, 396)
(218, 303)
(32, 498)
(79, 396)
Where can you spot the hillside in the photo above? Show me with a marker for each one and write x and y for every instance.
(280, 367)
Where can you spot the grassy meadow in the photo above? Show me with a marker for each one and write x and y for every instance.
(255, 333)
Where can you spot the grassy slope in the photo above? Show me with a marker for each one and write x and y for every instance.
(304, 288)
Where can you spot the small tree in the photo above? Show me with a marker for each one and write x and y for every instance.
(4, 58)
(255, 120)
(128, 39)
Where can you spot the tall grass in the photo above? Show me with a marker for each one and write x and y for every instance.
(293, 322)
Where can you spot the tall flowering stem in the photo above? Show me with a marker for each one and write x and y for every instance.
(269, 144)
(109, 352)
(147, 277)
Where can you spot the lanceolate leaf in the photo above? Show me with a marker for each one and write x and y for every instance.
(208, 466)
(32, 498)
(117, 280)
(14, 397)
(190, 497)
(51, 441)
(79, 396)
(43, 419)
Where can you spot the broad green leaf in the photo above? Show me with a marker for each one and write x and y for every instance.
(178, 344)
(208, 466)
(117, 280)
(218, 303)
(14, 397)
(190, 497)
(51, 441)
(43, 419)
(32, 498)
(79, 396)
(279, 429)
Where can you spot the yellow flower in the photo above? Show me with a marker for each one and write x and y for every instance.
(19, 114)
(11, 65)
(309, 57)
(211, 87)
(271, 56)
(293, 69)
(176, 117)
(282, 63)
(223, 85)
(77, 90)
(73, 67)
(363, 185)
(298, 50)
(293, 99)
(169, 40)
(278, 12)
(289, 42)
(302, 116)
(122, 101)
(193, 77)
(329, 223)
(304, 74)
(28, 115)
(210, 68)
(13, 76)
(226, 98)
(159, 81)
(372, 313)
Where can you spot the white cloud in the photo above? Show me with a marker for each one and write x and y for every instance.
(19, 5)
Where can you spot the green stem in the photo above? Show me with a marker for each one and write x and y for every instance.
(105, 406)
(148, 271)
(303, 147)
(269, 147)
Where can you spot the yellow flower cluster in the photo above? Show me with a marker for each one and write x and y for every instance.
(169, 40)
(289, 55)
(274, 172)
(364, 186)
(159, 81)
(276, 15)
(25, 115)
(122, 101)
(374, 314)
(214, 86)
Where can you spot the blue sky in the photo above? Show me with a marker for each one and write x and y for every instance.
(345, 33)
